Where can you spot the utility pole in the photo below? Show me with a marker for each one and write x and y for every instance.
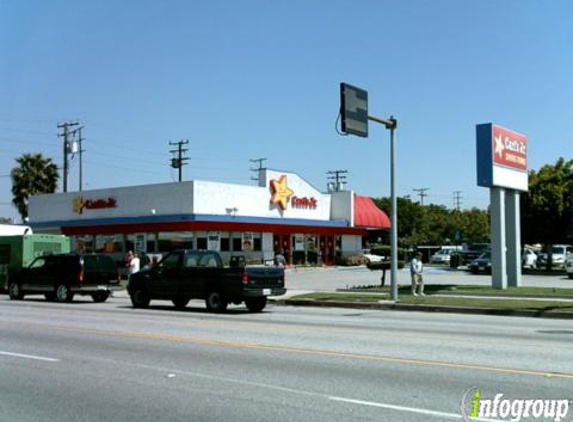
(257, 170)
(339, 180)
(422, 193)
(67, 149)
(457, 199)
(179, 161)
(80, 154)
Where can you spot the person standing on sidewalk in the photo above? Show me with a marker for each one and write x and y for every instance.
(416, 269)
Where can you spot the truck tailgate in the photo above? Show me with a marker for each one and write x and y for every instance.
(262, 277)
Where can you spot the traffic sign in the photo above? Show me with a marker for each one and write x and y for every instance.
(354, 110)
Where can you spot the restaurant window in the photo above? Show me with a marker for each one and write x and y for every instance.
(83, 244)
(225, 244)
(202, 243)
(169, 241)
(237, 244)
(109, 243)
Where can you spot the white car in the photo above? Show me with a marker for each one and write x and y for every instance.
(373, 258)
(569, 266)
(528, 258)
(443, 256)
(558, 252)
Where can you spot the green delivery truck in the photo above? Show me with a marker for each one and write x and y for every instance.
(19, 251)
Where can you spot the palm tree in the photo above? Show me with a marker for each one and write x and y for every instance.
(35, 175)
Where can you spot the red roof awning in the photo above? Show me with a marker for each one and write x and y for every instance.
(368, 215)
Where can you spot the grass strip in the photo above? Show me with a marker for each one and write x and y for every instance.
(472, 289)
(489, 303)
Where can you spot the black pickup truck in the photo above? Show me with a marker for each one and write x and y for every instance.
(183, 275)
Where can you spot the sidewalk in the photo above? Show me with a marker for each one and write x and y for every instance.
(385, 304)
(289, 299)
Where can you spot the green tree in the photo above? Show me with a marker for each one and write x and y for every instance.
(34, 175)
(435, 224)
(547, 208)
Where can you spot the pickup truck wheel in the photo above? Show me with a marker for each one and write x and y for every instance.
(215, 302)
(100, 297)
(15, 291)
(256, 304)
(140, 298)
(180, 302)
(63, 293)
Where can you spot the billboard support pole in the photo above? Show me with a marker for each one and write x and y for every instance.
(391, 124)
(498, 256)
(513, 230)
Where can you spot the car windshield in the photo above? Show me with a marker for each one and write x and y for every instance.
(485, 255)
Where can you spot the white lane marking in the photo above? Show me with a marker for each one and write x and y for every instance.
(426, 412)
(410, 409)
(23, 356)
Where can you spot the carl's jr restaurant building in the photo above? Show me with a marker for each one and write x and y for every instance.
(284, 213)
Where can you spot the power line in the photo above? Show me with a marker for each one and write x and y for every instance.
(339, 180)
(422, 194)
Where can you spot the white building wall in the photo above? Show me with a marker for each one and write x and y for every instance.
(193, 197)
(215, 198)
(133, 201)
(343, 206)
(301, 189)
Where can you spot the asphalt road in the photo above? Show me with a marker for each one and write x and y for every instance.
(108, 362)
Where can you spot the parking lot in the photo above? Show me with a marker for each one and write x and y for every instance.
(333, 278)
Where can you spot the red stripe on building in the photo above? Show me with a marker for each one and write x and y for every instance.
(211, 226)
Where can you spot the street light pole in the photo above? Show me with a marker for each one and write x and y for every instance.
(391, 124)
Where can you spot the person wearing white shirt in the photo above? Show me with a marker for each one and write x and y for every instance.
(132, 263)
(416, 269)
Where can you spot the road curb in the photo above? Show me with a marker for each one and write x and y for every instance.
(425, 308)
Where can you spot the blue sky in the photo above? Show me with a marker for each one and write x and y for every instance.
(251, 79)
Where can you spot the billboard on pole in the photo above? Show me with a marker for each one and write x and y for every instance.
(354, 110)
(501, 157)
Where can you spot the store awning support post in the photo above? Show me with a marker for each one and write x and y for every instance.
(391, 124)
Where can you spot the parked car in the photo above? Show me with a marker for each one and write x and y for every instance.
(466, 256)
(444, 255)
(528, 258)
(569, 265)
(370, 257)
(61, 276)
(183, 275)
(558, 252)
(481, 264)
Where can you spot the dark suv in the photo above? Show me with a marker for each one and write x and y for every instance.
(61, 276)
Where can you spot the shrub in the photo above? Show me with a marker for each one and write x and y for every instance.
(382, 265)
(351, 260)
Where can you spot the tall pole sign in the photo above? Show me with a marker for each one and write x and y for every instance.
(354, 116)
(502, 167)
